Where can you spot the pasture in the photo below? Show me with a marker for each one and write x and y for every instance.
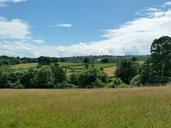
(86, 108)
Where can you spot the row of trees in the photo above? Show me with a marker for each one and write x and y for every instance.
(6, 60)
(41, 77)
(155, 70)
(51, 76)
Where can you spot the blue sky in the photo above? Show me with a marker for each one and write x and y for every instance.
(80, 26)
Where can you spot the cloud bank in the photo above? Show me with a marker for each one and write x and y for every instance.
(130, 38)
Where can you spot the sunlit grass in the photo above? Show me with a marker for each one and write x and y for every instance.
(24, 66)
(94, 108)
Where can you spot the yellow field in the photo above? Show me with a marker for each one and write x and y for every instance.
(25, 66)
(84, 108)
(110, 71)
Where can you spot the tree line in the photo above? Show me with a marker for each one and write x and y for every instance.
(6, 60)
(155, 71)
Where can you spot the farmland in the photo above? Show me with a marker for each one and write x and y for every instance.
(69, 66)
(86, 108)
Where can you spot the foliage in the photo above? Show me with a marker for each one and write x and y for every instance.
(44, 60)
(136, 81)
(126, 70)
(59, 73)
(104, 60)
(116, 82)
(157, 69)
(88, 78)
(44, 78)
(73, 79)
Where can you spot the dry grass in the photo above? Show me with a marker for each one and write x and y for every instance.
(25, 66)
(110, 71)
(79, 108)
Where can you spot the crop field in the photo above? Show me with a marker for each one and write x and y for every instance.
(86, 108)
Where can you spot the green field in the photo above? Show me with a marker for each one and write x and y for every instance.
(72, 67)
(83, 108)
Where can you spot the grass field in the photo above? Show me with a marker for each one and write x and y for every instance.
(95, 108)
(25, 66)
(78, 67)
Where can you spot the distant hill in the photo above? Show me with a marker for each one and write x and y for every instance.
(6, 60)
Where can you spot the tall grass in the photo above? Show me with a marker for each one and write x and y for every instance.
(96, 108)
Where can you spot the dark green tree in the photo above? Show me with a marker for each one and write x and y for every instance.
(44, 78)
(126, 70)
(157, 69)
(86, 61)
(104, 60)
(27, 78)
(44, 60)
(91, 78)
(59, 73)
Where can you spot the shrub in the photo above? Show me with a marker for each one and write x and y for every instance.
(116, 82)
(124, 86)
(136, 81)
(64, 85)
(91, 76)
(98, 83)
(59, 73)
(126, 70)
(73, 78)
(44, 78)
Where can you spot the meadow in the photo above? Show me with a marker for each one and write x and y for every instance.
(86, 108)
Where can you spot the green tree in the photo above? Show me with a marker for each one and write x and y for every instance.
(27, 78)
(59, 73)
(136, 81)
(104, 60)
(126, 70)
(157, 69)
(91, 77)
(86, 61)
(44, 60)
(73, 79)
(44, 78)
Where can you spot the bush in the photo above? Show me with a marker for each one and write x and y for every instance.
(91, 76)
(136, 81)
(64, 85)
(116, 82)
(124, 86)
(59, 73)
(73, 78)
(44, 78)
(98, 83)
(126, 70)
(17, 85)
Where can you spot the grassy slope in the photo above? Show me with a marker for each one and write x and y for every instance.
(96, 108)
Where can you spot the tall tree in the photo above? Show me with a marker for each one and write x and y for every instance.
(126, 70)
(159, 63)
(59, 73)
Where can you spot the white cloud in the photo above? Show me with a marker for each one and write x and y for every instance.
(14, 29)
(62, 25)
(133, 37)
(6, 2)
(167, 4)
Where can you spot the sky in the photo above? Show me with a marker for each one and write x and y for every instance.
(33, 28)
